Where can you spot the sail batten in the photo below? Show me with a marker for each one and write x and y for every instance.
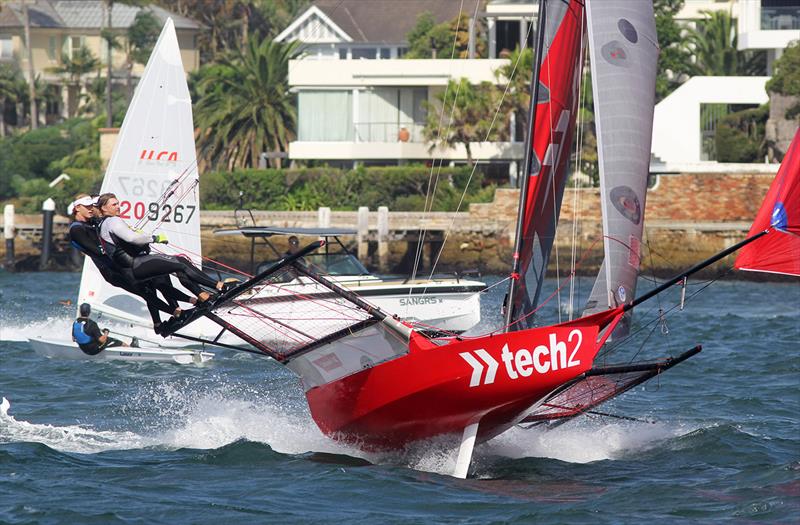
(623, 53)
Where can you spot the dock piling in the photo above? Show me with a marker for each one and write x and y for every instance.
(9, 233)
(48, 211)
(383, 238)
(363, 233)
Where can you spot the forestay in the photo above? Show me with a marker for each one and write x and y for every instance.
(153, 172)
(624, 53)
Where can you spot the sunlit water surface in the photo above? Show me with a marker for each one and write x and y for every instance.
(718, 436)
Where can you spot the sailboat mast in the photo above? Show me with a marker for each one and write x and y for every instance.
(523, 192)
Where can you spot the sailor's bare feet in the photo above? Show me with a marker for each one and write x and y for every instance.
(177, 312)
(193, 300)
(203, 297)
(220, 284)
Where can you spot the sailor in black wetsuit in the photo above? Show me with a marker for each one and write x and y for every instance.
(84, 237)
(130, 249)
(88, 335)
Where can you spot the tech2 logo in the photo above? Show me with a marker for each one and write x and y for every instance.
(161, 156)
(523, 362)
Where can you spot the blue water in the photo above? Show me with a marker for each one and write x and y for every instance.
(93, 442)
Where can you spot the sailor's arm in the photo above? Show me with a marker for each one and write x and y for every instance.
(118, 227)
(92, 330)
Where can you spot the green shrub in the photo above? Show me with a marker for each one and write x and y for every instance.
(740, 135)
(33, 192)
(401, 188)
(36, 153)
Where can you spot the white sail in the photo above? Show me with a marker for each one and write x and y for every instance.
(624, 54)
(153, 172)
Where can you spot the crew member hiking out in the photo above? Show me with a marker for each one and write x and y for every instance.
(130, 249)
(84, 237)
(88, 335)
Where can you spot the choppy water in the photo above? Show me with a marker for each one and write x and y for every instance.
(94, 442)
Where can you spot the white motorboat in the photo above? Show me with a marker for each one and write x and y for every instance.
(450, 304)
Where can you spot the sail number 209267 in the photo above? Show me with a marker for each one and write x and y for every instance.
(179, 213)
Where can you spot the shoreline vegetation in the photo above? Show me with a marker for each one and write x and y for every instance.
(688, 217)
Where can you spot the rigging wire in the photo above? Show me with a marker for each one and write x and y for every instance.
(576, 204)
(433, 181)
(475, 166)
(612, 347)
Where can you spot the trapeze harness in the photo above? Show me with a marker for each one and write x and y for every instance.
(134, 253)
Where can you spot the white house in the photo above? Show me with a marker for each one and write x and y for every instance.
(359, 101)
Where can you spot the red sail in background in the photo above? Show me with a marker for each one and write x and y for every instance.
(553, 130)
(779, 250)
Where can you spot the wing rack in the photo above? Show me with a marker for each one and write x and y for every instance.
(284, 311)
(597, 386)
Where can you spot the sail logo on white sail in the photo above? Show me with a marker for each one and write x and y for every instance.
(169, 156)
(523, 362)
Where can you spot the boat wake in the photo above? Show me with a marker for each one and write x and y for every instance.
(584, 441)
(70, 438)
(18, 330)
(212, 420)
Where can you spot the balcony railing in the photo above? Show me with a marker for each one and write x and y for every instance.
(780, 17)
(389, 132)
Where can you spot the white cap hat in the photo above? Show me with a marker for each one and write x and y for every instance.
(83, 201)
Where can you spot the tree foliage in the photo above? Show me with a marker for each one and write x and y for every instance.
(35, 154)
(713, 44)
(674, 59)
(232, 23)
(12, 87)
(786, 77)
(401, 188)
(464, 114)
(142, 36)
(244, 106)
(445, 39)
(740, 136)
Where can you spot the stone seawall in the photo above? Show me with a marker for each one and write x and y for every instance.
(688, 217)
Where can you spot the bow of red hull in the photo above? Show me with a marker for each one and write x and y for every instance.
(436, 390)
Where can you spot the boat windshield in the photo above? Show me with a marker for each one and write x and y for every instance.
(336, 264)
(330, 264)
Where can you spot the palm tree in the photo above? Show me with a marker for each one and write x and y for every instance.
(10, 81)
(244, 106)
(469, 115)
(142, 36)
(713, 44)
(81, 63)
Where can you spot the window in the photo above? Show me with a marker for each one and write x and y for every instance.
(389, 114)
(52, 48)
(72, 44)
(325, 116)
(364, 52)
(780, 14)
(6, 47)
(386, 52)
(343, 53)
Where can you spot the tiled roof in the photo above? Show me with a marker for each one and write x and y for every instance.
(385, 21)
(84, 14)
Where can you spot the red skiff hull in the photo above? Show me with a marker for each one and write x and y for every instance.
(438, 390)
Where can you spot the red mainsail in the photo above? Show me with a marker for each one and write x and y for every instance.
(779, 250)
(552, 141)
